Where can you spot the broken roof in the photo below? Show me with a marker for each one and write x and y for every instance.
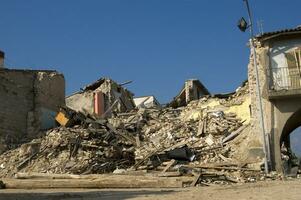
(198, 84)
(285, 32)
(97, 84)
(180, 99)
(94, 85)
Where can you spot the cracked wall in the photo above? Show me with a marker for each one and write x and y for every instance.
(27, 101)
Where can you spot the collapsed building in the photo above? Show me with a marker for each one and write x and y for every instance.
(101, 99)
(208, 139)
(193, 89)
(210, 136)
(29, 101)
(197, 133)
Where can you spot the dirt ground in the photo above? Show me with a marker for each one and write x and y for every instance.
(275, 190)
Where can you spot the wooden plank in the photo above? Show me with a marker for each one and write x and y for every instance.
(34, 175)
(171, 163)
(105, 182)
(130, 175)
(169, 174)
(196, 179)
(234, 134)
(138, 142)
(121, 134)
(110, 108)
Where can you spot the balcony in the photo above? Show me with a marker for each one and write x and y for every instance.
(284, 82)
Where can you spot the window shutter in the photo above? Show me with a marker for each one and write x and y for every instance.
(292, 73)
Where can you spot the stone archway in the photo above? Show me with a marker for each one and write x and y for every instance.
(289, 160)
(284, 118)
(291, 124)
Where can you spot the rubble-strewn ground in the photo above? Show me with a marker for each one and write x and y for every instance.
(209, 139)
(276, 190)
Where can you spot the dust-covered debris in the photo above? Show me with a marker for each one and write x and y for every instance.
(202, 139)
(90, 148)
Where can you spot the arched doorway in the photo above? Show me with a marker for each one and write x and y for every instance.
(295, 141)
(290, 144)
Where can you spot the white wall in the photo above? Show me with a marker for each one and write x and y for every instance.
(278, 61)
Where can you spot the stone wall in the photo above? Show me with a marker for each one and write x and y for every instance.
(262, 63)
(27, 95)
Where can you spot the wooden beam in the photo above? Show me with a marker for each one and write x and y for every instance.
(105, 182)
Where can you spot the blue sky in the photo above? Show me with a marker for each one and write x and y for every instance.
(156, 43)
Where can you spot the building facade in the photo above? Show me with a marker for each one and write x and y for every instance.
(280, 77)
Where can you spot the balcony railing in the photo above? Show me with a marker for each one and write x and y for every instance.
(285, 78)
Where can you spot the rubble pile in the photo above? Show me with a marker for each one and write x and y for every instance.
(92, 148)
(198, 140)
(165, 130)
(193, 138)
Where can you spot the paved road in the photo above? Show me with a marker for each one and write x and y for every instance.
(275, 190)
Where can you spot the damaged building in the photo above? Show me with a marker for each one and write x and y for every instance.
(193, 89)
(198, 139)
(101, 99)
(279, 68)
(29, 101)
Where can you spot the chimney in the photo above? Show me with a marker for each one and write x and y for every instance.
(2, 55)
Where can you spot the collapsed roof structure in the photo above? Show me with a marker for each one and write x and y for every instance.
(193, 89)
(101, 99)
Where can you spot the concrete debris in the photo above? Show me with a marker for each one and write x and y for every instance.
(201, 140)
(209, 140)
(290, 161)
(89, 148)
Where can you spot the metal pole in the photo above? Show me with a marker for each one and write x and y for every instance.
(266, 166)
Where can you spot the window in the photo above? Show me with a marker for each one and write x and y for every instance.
(293, 72)
(286, 69)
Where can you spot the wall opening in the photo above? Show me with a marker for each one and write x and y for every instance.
(290, 145)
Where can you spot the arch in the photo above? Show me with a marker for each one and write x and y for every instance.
(288, 160)
(293, 122)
